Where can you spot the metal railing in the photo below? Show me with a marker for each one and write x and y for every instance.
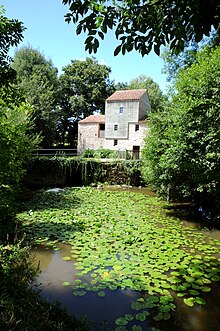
(54, 152)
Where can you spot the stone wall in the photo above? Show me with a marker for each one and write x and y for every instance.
(59, 172)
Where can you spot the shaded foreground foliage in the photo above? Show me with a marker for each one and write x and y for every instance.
(182, 152)
(125, 240)
(143, 25)
(21, 308)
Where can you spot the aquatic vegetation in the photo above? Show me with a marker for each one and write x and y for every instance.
(125, 240)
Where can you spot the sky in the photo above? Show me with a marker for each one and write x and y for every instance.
(47, 31)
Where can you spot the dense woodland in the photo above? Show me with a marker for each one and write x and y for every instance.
(182, 153)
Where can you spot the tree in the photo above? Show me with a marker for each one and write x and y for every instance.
(11, 34)
(15, 146)
(182, 152)
(84, 86)
(144, 25)
(154, 92)
(37, 79)
(174, 62)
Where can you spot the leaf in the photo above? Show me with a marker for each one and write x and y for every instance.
(189, 302)
(66, 258)
(121, 321)
(66, 283)
(117, 50)
(200, 301)
(101, 294)
(206, 289)
(136, 328)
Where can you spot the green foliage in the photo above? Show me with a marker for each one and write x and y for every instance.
(37, 79)
(15, 147)
(21, 308)
(90, 153)
(125, 240)
(84, 86)
(182, 152)
(143, 26)
(104, 153)
(11, 34)
(77, 171)
(174, 62)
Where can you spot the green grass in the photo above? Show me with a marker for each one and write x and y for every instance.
(126, 240)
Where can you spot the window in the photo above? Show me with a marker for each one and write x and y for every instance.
(115, 142)
(136, 127)
(115, 127)
(121, 110)
(101, 130)
(136, 152)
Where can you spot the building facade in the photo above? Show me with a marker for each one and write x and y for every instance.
(123, 127)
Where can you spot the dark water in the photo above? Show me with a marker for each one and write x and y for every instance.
(104, 311)
(54, 271)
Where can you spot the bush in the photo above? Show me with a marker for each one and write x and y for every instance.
(88, 153)
(21, 308)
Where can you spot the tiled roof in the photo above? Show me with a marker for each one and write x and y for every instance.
(127, 95)
(93, 119)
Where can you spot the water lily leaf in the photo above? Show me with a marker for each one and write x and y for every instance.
(200, 301)
(136, 328)
(153, 298)
(158, 317)
(137, 305)
(166, 316)
(206, 289)
(66, 258)
(117, 267)
(66, 283)
(215, 278)
(129, 317)
(193, 292)
(166, 299)
(175, 273)
(140, 317)
(189, 279)
(79, 293)
(121, 321)
(189, 302)
(206, 281)
(101, 294)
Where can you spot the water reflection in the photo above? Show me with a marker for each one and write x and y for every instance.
(54, 271)
(104, 311)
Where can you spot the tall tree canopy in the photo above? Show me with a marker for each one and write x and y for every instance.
(15, 141)
(182, 152)
(144, 25)
(84, 86)
(174, 62)
(37, 78)
(10, 35)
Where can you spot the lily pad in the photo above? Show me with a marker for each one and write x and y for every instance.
(66, 258)
(189, 302)
(136, 328)
(121, 321)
